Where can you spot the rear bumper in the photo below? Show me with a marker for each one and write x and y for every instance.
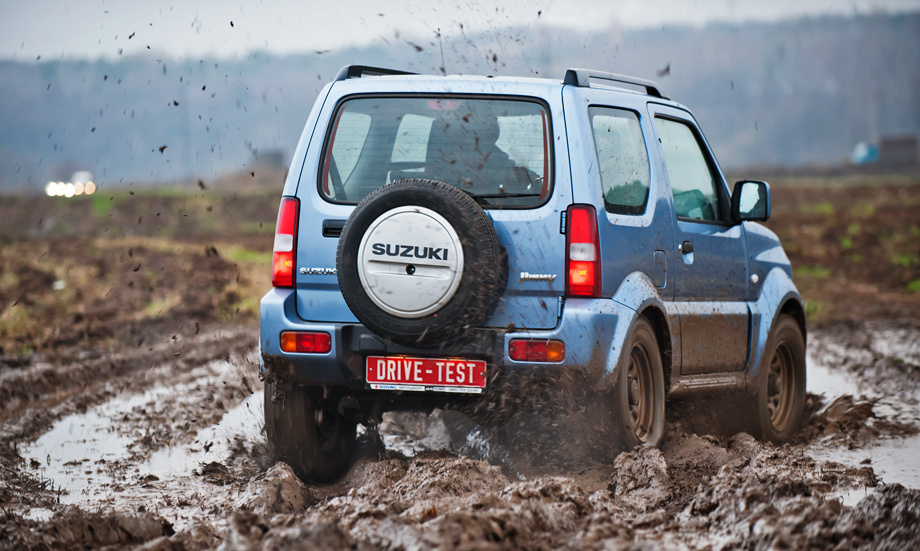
(587, 327)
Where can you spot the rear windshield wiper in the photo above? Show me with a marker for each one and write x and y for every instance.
(503, 195)
(483, 198)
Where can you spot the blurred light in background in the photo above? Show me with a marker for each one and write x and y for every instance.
(81, 184)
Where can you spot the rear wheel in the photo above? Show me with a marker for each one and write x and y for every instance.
(781, 388)
(305, 431)
(639, 394)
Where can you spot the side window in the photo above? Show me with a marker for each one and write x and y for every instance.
(351, 133)
(621, 158)
(693, 183)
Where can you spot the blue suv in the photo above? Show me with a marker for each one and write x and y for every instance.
(440, 239)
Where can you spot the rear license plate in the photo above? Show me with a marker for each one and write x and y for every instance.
(426, 374)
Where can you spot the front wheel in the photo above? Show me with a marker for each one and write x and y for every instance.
(781, 387)
(306, 432)
(639, 393)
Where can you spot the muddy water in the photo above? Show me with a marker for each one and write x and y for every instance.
(92, 455)
(831, 383)
(213, 444)
(81, 452)
(894, 459)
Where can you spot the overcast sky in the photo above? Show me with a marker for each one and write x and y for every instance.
(71, 29)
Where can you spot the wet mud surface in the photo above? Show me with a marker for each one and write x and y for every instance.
(167, 452)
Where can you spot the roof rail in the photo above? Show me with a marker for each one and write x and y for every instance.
(357, 71)
(580, 77)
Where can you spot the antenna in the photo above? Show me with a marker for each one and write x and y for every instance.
(443, 66)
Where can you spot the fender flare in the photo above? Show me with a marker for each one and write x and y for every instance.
(639, 296)
(778, 295)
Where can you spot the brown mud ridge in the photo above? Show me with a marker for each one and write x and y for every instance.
(174, 481)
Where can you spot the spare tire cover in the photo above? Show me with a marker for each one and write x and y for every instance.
(418, 262)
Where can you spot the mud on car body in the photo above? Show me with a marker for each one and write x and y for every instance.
(441, 238)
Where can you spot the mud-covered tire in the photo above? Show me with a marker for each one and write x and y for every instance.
(475, 283)
(308, 434)
(639, 392)
(780, 397)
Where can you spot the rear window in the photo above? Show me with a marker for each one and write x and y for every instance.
(497, 150)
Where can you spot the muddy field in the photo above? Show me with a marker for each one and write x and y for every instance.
(131, 406)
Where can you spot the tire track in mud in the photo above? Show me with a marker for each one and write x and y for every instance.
(38, 396)
(31, 399)
(445, 483)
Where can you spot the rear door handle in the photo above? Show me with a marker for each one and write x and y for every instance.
(333, 228)
(686, 247)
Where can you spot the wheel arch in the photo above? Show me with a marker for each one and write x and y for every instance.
(778, 295)
(639, 294)
(659, 321)
(793, 307)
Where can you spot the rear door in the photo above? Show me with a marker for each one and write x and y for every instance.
(710, 271)
(503, 150)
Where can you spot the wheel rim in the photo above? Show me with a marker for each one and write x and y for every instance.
(781, 387)
(641, 393)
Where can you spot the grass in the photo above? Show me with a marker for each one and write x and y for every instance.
(257, 227)
(813, 272)
(843, 181)
(824, 209)
(159, 306)
(813, 310)
(8, 279)
(248, 307)
(867, 210)
(14, 321)
(904, 259)
(242, 254)
(102, 204)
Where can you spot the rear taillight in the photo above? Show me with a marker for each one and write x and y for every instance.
(305, 342)
(534, 350)
(583, 259)
(285, 243)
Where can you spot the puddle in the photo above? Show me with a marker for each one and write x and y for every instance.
(211, 444)
(900, 344)
(83, 451)
(39, 514)
(830, 383)
(898, 461)
(75, 452)
(850, 497)
(89, 454)
(893, 460)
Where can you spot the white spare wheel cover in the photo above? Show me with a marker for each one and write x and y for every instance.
(410, 262)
